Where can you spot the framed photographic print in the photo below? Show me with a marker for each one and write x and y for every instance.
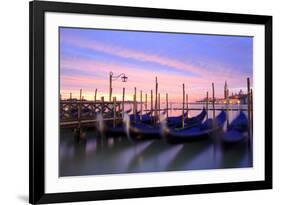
(140, 102)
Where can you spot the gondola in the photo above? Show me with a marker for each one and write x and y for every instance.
(73, 112)
(236, 130)
(121, 129)
(110, 114)
(196, 120)
(147, 118)
(128, 111)
(174, 122)
(199, 132)
(115, 131)
(240, 123)
(138, 118)
(144, 131)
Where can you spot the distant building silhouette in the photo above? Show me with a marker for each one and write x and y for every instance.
(239, 98)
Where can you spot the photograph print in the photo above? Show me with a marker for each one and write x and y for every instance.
(143, 101)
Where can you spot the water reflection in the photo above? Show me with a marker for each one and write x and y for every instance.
(120, 155)
(190, 152)
(236, 156)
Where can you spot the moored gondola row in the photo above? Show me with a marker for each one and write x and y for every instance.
(197, 128)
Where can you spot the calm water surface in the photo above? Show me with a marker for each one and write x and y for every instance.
(98, 155)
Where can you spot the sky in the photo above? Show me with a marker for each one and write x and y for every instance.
(87, 56)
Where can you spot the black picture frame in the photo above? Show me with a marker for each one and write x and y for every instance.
(37, 194)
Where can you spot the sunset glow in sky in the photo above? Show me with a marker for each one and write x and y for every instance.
(88, 55)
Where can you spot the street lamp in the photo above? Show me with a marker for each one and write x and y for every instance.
(123, 77)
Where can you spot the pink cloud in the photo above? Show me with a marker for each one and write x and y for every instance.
(218, 70)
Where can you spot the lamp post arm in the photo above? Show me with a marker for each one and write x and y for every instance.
(113, 78)
(118, 76)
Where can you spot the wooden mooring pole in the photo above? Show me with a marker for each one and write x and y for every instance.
(94, 107)
(119, 111)
(95, 98)
(102, 105)
(252, 119)
(151, 104)
(227, 107)
(110, 85)
(213, 92)
(156, 96)
(225, 91)
(187, 104)
(167, 106)
(226, 98)
(114, 112)
(60, 106)
(207, 103)
(135, 105)
(79, 115)
(159, 108)
(183, 104)
(141, 104)
(249, 109)
(151, 100)
(145, 105)
(123, 101)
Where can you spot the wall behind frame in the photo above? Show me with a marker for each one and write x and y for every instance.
(14, 81)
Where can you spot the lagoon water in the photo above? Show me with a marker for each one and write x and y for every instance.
(99, 155)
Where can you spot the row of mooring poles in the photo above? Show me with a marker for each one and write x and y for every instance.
(155, 108)
(185, 100)
(157, 104)
(115, 119)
